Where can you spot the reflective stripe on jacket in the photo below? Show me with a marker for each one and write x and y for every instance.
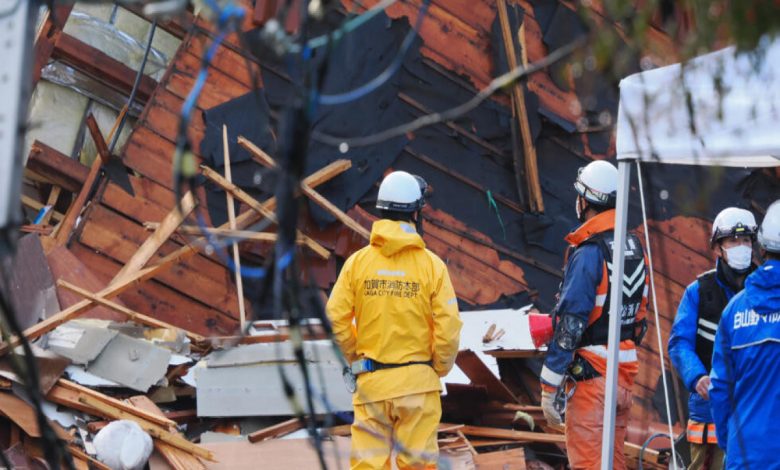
(583, 294)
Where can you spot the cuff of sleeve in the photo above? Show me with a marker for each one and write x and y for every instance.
(551, 377)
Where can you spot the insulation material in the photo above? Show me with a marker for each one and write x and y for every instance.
(137, 27)
(114, 42)
(64, 75)
(55, 117)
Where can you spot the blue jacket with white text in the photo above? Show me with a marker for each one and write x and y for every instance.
(745, 390)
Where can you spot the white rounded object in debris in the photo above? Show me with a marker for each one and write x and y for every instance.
(123, 445)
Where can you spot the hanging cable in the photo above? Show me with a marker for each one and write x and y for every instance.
(655, 312)
(385, 75)
(138, 76)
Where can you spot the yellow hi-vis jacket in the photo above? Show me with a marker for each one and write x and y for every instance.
(404, 309)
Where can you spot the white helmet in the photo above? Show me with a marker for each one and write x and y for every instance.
(732, 222)
(597, 183)
(402, 192)
(769, 233)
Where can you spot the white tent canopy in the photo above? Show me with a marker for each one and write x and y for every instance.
(733, 102)
(736, 126)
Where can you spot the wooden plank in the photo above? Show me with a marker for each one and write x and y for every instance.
(67, 224)
(67, 266)
(239, 234)
(150, 202)
(255, 205)
(131, 314)
(81, 455)
(37, 205)
(102, 67)
(529, 150)
(54, 196)
(512, 459)
(231, 210)
(154, 430)
(118, 404)
(48, 33)
(265, 159)
(177, 458)
(509, 434)
(198, 277)
(158, 300)
(243, 220)
(23, 415)
(56, 167)
(160, 236)
(277, 430)
(479, 374)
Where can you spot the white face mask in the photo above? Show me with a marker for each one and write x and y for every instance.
(739, 257)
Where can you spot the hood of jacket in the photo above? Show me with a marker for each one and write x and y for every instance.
(764, 288)
(392, 237)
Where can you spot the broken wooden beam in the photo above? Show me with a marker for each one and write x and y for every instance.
(186, 251)
(277, 430)
(512, 435)
(131, 314)
(521, 112)
(154, 430)
(247, 235)
(56, 167)
(255, 205)
(264, 159)
(177, 458)
(91, 461)
(48, 34)
(163, 232)
(231, 210)
(118, 404)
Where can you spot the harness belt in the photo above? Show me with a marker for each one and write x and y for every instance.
(363, 366)
(581, 370)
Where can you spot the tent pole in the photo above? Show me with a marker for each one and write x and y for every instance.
(616, 297)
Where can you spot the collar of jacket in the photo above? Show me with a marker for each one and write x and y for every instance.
(602, 222)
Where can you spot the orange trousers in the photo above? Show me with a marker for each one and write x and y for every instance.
(585, 423)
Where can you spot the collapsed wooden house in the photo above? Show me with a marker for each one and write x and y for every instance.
(501, 180)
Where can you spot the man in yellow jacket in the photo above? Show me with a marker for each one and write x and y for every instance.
(405, 333)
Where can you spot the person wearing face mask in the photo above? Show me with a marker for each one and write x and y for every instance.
(696, 323)
(746, 361)
(572, 379)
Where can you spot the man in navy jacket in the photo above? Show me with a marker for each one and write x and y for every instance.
(693, 332)
(744, 393)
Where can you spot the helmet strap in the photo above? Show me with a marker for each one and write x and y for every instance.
(418, 221)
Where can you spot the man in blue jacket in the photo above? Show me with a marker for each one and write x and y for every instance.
(745, 395)
(693, 332)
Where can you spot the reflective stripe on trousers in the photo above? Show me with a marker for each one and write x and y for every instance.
(699, 433)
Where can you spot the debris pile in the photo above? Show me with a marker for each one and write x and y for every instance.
(113, 387)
